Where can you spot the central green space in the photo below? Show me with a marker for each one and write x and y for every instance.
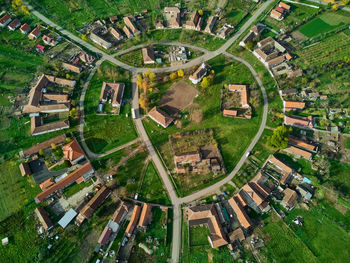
(232, 135)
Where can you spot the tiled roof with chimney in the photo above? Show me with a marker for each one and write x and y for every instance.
(148, 55)
(133, 220)
(160, 117)
(242, 216)
(72, 151)
(146, 215)
(46, 184)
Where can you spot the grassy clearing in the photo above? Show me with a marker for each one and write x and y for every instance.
(232, 135)
(103, 162)
(347, 143)
(75, 188)
(152, 190)
(282, 245)
(199, 235)
(105, 132)
(340, 177)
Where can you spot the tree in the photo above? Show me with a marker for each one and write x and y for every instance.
(84, 37)
(53, 146)
(143, 100)
(25, 9)
(335, 7)
(145, 85)
(72, 112)
(152, 76)
(173, 76)
(41, 152)
(329, 5)
(146, 74)
(345, 2)
(67, 163)
(180, 73)
(67, 76)
(279, 138)
(200, 12)
(249, 45)
(205, 83)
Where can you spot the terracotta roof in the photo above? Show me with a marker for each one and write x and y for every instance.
(85, 57)
(199, 73)
(5, 18)
(160, 117)
(64, 182)
(193, 20)
(71, 67)
(279, 9)
(232, 113)
(285, 168)
(192, 157)
(119, 213)
(277, 15)
(301, 144)
(289, 197)
(25, 169)
(49, 40)
(37, 127)
(46, 184)
(148, 55)
(237, 234)
(243, 90)
(43, 218)
(106, 233)
(295, 73)
(294, 104)
(35, 33)
(210, 24)
(175, 20)
(44, 145)
(93, 204)
(146, 214)
(253, 192)
(242, 216)
(72, 150)
(127, 32)
(299, 152)
(284, 6)
(133, 220)
(130, 23)
(288, 56)
(265, 41)
(14, 24)
(113, 90)
(116, 33)
(207, 214)
(25, 28)
(275, 61)
(298, 121)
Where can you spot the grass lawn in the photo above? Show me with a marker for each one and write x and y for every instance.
(156, 231)
(105, 132)
(339, 177)
(15, 191)
(324, 23)
(75, 188)
(199, 235)
(103, 162)
(282, 245)
(232, 135)
(347, 143)
(152, 190)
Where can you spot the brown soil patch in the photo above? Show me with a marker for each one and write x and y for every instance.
(178, 97)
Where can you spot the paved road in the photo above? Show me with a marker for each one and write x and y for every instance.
(176, 242)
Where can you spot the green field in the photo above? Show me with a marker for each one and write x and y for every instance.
(324, 23)
(105, 132)
(199, 235)
(152, 190)
(232, 135)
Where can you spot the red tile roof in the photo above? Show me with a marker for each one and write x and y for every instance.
(5, 18)
(242, 216)
(133, 220)
(25, 28)
(25, 169)
(160, 117)
(294, 105)
(230, 113)
(284, 6)
(44, 145)
(298, 121)
(43, 218)
(72, 150)
(69, 179)
(301, 144)
(107, 231)
(46, 184)
(146, 215)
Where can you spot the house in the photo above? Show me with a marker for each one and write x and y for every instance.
(298, 152)
(84, 171)
(207, 215)
(127, 32)
(302, 144)
(43, 218)
(71, 67)
(46, 184)
(295, 73)
(224, 32)
(86, 58)
(299, 122)
(171, 10)
(275, 61)
(284, 6)
(174, 21)
(116, 33)
(146, 215)
(49, 40)
(193, 21)
(198, 75)
(211, 24)
(73, 152)
(289, 198)
(106, 234)
(237, 207)
(148, 56)
(44, 101)
(39, 48)
(37, 126)
(92, 205)
(160, 117)
(113, 19)
(276, 15)
(130, 23)
(230, 113)
(99, 40)
(243, 91)
(5, 241)
(288, 57)
(253, 32)
(120, 213)
(287, 172)
(293, 105)
(187, 158)
(133, 220)
(67, 218)
(35, 33)
(25, 28)
(44, 145)
(279, 9)
(113, 92)
(255, 196)
(14, 24)
(303, 192)
(25, 169)
(5, 20)
(287, 92)
(236, 235)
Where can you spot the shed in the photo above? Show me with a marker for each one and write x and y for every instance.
(67, 218)
(5, 241)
